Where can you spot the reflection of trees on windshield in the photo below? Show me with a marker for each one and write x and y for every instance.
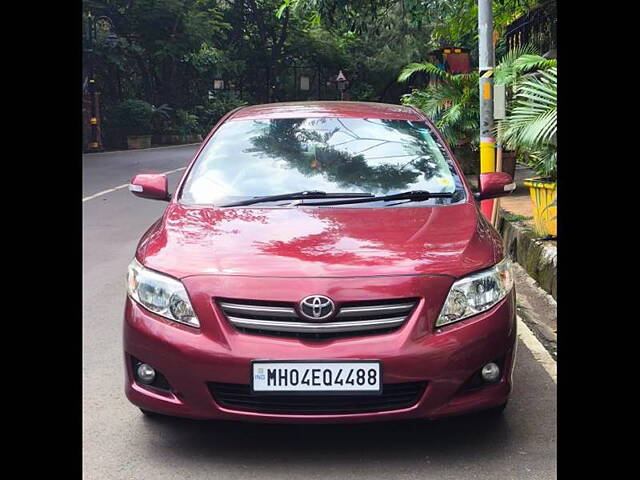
(309, 151)
(426, 162)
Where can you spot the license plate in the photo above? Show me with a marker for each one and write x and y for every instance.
(317, 377)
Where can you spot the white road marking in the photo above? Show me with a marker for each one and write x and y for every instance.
(95, 195)
(538, 351)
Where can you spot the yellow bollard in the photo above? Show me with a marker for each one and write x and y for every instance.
(487, 157)
(487, 165)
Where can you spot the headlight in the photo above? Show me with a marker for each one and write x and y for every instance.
(476, 293)
(160, 294)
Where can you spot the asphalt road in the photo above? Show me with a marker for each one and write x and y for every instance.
(119, 443)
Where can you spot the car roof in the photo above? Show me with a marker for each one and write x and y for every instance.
(326, 109)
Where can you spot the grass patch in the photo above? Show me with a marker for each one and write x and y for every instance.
(510, 217)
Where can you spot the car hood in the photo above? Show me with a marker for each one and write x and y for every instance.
(320, 242)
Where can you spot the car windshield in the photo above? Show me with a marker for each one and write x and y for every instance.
(251, 158)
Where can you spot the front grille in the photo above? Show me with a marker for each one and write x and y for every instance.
(282, 319)
(394, 396)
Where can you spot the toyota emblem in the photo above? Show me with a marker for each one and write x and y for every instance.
(317, 307)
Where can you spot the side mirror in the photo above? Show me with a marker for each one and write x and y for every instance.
(495, 184)
(150, 185)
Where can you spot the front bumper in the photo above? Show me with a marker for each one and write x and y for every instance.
(446, 359)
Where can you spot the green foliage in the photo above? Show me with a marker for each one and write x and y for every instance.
(136, 117)
(215, 62)
(452, 103)
(510, 217)
(511, 64)
(360, 15)
(531, 124)
(170, 51)
(154, 37)
(458, 19)
(187, 123)
(370, 58)
(528, 62)
(215, 108)
(363, 92)
(448, 21)
(533, 120)
(457, 22)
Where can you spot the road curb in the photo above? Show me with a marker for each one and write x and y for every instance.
(538, 351)
(537, 309)
(536, 256)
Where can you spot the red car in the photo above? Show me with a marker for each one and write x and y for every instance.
(320, 262)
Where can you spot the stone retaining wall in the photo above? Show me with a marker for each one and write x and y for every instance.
(538, 257)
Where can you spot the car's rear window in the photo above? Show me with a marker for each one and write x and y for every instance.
(250, 158)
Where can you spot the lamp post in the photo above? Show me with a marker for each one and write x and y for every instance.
(95, 140)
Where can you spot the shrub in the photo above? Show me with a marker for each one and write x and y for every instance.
(187, 123)
(135, 117)
(363, 92)
(453, 104)
(531, 125)
(215, 108)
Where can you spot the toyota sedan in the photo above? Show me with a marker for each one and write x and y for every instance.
(320, 262)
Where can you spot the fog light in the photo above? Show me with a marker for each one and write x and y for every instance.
(146, 373)
(490, 372)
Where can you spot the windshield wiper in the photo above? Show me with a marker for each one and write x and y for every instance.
(413, 196)
(296, 196)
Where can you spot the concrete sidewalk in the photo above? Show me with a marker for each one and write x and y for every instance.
(519, 202)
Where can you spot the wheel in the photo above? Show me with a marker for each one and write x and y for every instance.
(150, 414)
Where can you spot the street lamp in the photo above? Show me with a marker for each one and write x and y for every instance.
(105, 24)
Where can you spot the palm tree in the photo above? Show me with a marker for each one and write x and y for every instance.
(453, 104)
(531, 125)
(519, 61)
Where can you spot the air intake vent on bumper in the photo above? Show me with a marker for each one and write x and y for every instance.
(394, 396)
